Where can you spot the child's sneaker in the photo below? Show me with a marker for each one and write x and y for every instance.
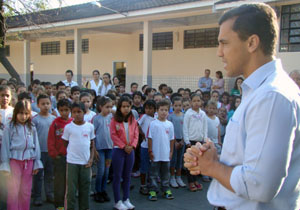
(144, 190)
(60, 208)
(120, 206)
(128, 204)
(168, 195)
(105, 197)
(152, 196)
(180, 182)
(173, 182)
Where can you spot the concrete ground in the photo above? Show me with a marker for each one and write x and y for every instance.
(184, 200)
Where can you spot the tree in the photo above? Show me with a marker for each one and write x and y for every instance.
(11, 8)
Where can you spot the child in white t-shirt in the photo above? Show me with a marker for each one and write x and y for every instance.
(87, 100)
(79, 137)
(160, 149)
(144, 123)
(213, 124)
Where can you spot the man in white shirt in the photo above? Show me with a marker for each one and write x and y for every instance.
(69, 82)
(259, 165)
(205, 82)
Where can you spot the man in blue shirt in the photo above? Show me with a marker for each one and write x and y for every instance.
(259, 165)
(205, 82)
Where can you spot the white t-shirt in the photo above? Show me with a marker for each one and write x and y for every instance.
(144, 122)
(6, 114)
(88, 117)
(212, 128)
(79, 137)
(161, 134)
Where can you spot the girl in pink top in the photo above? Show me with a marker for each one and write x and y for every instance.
(124, 134)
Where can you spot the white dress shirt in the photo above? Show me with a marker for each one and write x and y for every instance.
(70, 84)
(262, 143)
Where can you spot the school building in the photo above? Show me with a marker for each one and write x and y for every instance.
(143, 41)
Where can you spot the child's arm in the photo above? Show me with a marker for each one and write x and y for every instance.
(51, 141)
(5, 151)
(151, 156)
(37, 162)
(171, 148)
(90, 162)
(219, 135)
(143, 136)
(186, 130)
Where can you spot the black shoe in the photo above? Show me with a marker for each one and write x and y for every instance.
(105, 197)
(50, 199)
(38, 202)
(99, 198)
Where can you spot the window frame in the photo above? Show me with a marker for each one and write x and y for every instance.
(286, 28)
(160, 41)
(200, 38)
(50, 48)
(70, 46)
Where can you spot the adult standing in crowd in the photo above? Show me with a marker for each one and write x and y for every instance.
(205, 82)
(105, 86)
(218, 83)
(295, 75)
(69, 79)
(237, 90)
(259, 165)
(96, 82)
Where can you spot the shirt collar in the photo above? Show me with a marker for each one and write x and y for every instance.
(260, 74)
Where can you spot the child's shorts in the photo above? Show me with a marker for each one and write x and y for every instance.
(145, 161)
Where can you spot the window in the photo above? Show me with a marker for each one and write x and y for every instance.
(290, 28)
(160, 41)
(50, 48)
(84, 45)
(7, 50)
(201, 38)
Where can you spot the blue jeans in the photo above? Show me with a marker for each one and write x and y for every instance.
(46, 175)
(102, 169)
(177, 157)
(145, 161)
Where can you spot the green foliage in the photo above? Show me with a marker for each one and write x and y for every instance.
(20, 7)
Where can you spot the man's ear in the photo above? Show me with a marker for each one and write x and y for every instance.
(253, 43)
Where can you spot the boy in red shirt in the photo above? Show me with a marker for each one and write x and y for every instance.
(57, 151)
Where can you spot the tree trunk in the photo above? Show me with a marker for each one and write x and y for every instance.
(5, 62)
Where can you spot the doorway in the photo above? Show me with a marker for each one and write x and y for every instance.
(119, 70)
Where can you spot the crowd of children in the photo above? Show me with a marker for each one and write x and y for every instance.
(52, 135)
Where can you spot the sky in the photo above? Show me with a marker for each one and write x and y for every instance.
(55, 3)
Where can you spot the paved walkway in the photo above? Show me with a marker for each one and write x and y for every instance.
(184, 200)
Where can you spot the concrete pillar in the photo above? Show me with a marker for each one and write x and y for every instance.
(78, 55)
(26, 77)
(147, 54)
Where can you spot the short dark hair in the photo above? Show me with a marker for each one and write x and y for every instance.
(161, 86)
(139, 93)
(148, 90)
(79, 105)
(60, 83)
(144, 87)
(163, 102)
(63, 102)
(85, 94)
(195, 95)
(259, 19)
(176, 98)
(180, 89)
(42, 96)
(96, 71)
(60, 92)
(24, 95)
(149, 103)
(134, 83)
(47, 84)
(69, 71)
(111, 96)
(74, 89)
(175, 95)
(188, 90)
(36, 82)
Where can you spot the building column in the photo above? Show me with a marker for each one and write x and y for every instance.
(26, 77)
(147, 54)
(78, 55)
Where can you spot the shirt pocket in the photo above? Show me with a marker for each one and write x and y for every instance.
(231, 136)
